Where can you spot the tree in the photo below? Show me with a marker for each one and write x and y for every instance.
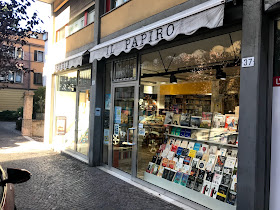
(16, 26)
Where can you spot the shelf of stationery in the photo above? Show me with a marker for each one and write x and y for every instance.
(206, 141)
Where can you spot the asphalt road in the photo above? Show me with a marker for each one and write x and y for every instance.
(61, 182)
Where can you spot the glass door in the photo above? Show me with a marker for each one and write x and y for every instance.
(124, 131)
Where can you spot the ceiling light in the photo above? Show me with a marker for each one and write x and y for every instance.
(173, 79)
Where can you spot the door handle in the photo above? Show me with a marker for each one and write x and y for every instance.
(127, 138)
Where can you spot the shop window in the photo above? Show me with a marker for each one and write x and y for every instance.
(189, 118)
(38, 56)
(125, 70)
(38, 78)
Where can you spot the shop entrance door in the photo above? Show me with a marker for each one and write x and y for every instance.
(124, 126)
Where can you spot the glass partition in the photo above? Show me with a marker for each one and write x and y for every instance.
(188, 120)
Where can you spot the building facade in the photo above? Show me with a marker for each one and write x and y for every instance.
(13, 85)
(177, 96)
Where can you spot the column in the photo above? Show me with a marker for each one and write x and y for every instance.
(26, 129)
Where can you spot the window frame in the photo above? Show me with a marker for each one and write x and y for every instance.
(36, 53)
(35, 78)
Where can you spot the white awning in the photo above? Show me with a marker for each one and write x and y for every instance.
(209, 14)
(70, 62)
(269, 3)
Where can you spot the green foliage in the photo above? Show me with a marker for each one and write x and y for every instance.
(39, 101)
(9, 115)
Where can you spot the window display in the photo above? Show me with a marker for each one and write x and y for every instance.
(189, 111)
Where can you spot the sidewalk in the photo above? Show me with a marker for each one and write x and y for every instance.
(61, 182)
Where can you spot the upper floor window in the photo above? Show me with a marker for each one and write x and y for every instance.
(60, 34)
(11, 76)
(38, 79)
(77, 25)
(19, 53)
(111, 4)
(90, 17)
(38, 56)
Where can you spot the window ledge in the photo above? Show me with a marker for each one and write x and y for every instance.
(114, 9)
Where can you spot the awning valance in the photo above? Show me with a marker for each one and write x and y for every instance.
(209, 14)
(70, 62)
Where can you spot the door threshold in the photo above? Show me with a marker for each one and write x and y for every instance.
(146, 189)
(76, 155)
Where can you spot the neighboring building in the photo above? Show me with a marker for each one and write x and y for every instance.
(187, 85)
(15, 84)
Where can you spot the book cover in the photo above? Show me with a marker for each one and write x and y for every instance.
(165, 173)
(173, 131)
(174, 148)
(201, 165)
(190, 182)
(231, 198)
(197, 146)
(178, 142)
(184, 180)
(168, 118)
(206, 120)
(213, 150)
(184, 144)
(171, 175)
(175, 159)
(185, 119)
(178, 131)
(158, 162)
(186, 169)
(162, 147)
(204, 148)
(185, 152)
(219, 163)
(205, 157)
(164, 153)
(201, 174)
(182, 133)
(231, 139)
(148, 170)
(213, 190)
(188, 133)
(223, 151)
(176, 119)
(199, 155)
(231, 123)
(178, 177)
(154, 159)
(164, 162)
(195, 121)
(195, 162)
(229, 165)
(179, 150)
(170, 155)
(211, 162)
(198, 185)
(181, 159)
(160, 171)
(222, 193)
(154, 169)
(217, 178)
(179, 166)
(171, 164)
(233, 186)
(194, 172)
(206, 188)
(191, 145)
(209, 176)
(218, 120)
(226, 180)
(187, 160)
(192, 153)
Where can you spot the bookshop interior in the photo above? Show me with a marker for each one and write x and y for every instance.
(188, 114)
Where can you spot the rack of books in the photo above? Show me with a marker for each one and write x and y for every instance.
(200, 154)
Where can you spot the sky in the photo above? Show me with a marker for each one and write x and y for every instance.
(43, 10)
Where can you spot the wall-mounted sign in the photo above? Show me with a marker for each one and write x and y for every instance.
(60, 125)
(248, 62)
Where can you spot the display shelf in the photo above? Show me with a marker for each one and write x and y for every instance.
(205, 141)
(187, 193)
(179, 126)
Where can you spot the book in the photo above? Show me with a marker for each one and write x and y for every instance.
(206, 120)
(205, 157)
(185, 152)
(211, 162)
(181, 159)
(213, 150)
(198, 185)
(164, 162)
(154, 169)
(178, 177)
(209, 176)
(206, 188)
(231, 198)
(186, 169)
(158, 162)
(184, 180)
(192, 153)
(176, 119)
(197, 146)
(168, 118)
(191, 145)
(233, 186)
(185, 119)
(219, 163)
(171, 164)
(175, 159)
(223, 151)
(188, 133)
(173, 131)
(195, 162)
(204, 148)
(199, 155)
(202, 165)
(171, 175)
(174, 148)
(201, 174)
(178, 131)
(229, 165)
(177, 143)
(182, 133)
(148, 170)
(160, 171)
(231, 139)
(190, 182)
(179, 166)
(213, 190)
(226, 180)
(165, 173)
(222, 193)
(154, 159)
(217, 178)
(170, 155)
(195, 121)
(194, 172)
(218, 120)
(187, 160)
(164, 153)
(184, 144)
(231, 123)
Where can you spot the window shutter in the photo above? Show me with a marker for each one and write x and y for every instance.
(35, 55)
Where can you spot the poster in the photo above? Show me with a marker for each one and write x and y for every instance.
(142, 131)
(60, 125)
(107, 101)
(118, 114)
(116, 129)
(106, 136)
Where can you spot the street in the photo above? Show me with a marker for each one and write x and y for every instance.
(61, 182)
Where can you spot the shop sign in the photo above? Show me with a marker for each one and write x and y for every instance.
(276, 81)
(209, 15)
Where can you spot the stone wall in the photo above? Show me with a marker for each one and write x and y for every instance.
(38, 128)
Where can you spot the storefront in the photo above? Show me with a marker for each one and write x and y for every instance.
(171, 110)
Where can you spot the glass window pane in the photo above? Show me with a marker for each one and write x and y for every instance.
(19, 76)
(91, 17)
